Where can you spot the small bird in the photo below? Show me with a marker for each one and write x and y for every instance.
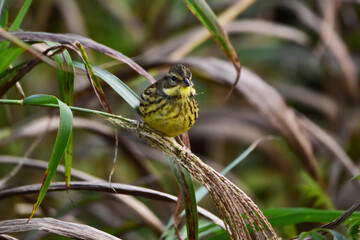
(169, 105)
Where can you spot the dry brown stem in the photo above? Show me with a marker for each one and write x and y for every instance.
(231, 202)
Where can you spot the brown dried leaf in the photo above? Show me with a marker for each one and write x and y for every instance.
(231, 202)
(62, 228)
(124, 189)
(86, 42)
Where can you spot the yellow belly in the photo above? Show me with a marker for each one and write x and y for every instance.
(171, 118)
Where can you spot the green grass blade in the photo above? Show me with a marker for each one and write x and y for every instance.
(39, 100)
(17, 22)
(62, 139)
(208, 18)
(93, 79)
(65, 77)
(186, 185)
(221, 236)
(4, 17)
(212, 231)
(8, 56)
(4, 12)
(66, 88)
(279, 217)
(337, 235)
(317, 236)
(19, 18)
(353, 225)
(115, 83)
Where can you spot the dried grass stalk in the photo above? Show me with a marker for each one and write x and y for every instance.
(237, 210)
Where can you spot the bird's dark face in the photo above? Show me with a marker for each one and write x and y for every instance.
(178, 81)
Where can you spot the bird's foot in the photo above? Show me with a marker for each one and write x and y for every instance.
(139, 126)
(186, 150)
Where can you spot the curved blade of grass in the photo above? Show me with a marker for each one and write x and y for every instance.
(337, 235)
(62, 139)
(316, 236)
(115, 83)
(279, 217)
(353, 226)
(208, 18)
(66, 88)
(93, 79)
(186, 185)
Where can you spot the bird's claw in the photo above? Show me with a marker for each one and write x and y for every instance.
(186, 151)
(139, 125)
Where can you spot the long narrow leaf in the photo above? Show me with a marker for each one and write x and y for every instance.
(93, 79)
(186, 185)
(279, 217)
(207, 17)
(62, 139)
(4, 12)
(19, 18)
(86, 42)
(4, 17)
(66, 88)
(115, 83)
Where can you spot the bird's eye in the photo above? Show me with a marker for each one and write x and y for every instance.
(173, 78)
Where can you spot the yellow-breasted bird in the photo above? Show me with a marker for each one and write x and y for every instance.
(169, 105)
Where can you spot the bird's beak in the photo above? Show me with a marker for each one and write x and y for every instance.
(186, 82)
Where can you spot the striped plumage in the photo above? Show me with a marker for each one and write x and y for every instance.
(169, 105)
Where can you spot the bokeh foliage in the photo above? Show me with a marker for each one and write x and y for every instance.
(299, 82)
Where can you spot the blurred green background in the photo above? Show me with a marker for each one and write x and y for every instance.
(308, 51)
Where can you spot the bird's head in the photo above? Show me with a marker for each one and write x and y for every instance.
(178, 81)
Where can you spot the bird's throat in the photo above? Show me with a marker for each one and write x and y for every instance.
(180, 91)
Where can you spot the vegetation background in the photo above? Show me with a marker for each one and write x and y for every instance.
(299, 85)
